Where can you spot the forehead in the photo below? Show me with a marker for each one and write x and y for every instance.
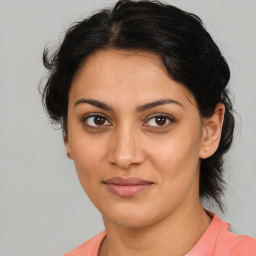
(128, 75)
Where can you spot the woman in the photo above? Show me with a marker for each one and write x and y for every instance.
(141, 94)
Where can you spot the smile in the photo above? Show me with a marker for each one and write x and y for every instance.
(127, 187)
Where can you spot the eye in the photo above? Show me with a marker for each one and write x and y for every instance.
(95, 121)
(160, 121)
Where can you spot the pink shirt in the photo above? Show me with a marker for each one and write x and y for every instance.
(216, 241)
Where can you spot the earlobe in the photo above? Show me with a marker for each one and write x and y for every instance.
(67, 146)
(212, 128)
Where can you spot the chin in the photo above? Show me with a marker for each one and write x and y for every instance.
(131, 216)
(131, 221)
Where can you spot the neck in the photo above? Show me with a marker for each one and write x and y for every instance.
(175, 235)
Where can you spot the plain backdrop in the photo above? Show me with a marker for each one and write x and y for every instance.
(43, 209)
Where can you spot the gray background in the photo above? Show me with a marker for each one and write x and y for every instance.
(43, 209)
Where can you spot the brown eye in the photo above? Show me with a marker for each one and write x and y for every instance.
(160, 120)
(99, 120)
(94, 121)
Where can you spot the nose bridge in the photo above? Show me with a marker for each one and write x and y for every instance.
(126, 146)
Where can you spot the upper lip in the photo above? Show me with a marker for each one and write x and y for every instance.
(127, 181)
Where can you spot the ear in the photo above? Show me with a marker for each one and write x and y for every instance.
(212, 128)
(68, 150)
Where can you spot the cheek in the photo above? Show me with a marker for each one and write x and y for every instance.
(87, 158)
(176, 160)
(175, 152)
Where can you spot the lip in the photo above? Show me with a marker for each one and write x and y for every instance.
(128, 186)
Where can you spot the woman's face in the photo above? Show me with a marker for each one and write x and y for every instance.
(138, 162)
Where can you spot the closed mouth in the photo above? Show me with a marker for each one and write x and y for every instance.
(127, 187)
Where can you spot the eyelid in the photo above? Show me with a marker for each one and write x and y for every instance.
(161, 114)
(169, 117)
(93, 115)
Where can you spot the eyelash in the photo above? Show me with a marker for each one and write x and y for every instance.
(169, 118)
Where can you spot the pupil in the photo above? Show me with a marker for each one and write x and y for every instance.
(99, 120)
(161, 120)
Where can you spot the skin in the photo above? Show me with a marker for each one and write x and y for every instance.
(168, 218)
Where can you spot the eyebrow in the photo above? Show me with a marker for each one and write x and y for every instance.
(141, 108)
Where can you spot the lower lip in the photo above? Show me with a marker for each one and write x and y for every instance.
(128, 191)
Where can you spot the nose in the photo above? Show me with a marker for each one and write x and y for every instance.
(126, 148)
